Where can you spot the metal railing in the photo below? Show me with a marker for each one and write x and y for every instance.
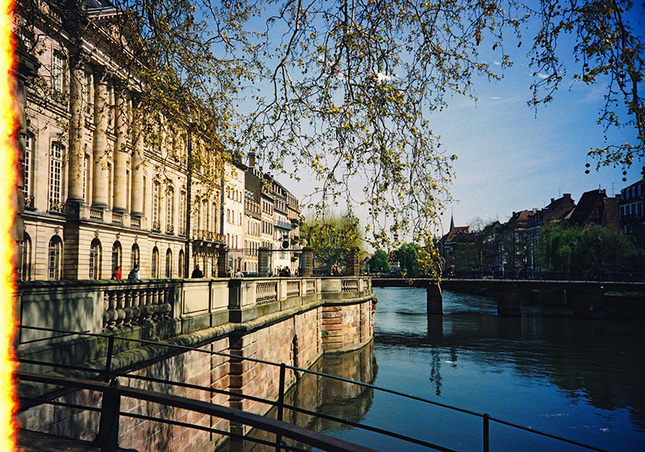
(112, 392)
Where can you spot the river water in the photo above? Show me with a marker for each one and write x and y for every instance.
(583, 380)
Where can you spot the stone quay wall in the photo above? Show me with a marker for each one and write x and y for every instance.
(284, 320)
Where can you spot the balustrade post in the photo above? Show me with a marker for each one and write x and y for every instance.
(136, 308)
(110, 315)
(120, 309)
(146, 306)
(129, 311)
(166, 307)
(155, 304)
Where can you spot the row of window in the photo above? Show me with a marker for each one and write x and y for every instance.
(632, 192)
(233, 217)
(54, 260)
(55, 172)
(233, 194)
(635, 209)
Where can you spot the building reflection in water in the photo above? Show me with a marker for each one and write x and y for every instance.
(326, 396)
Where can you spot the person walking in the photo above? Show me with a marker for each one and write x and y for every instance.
(197, 273)
(134, 273)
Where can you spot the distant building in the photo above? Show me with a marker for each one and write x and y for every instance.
(448, 244)
(556, 210)
(595, 207)
(632, 213)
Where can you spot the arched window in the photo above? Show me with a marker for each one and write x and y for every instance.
(54, 257)
(116, 255)
(154, 267)
(180, 270)
(25, 268)
(169, 263)
(134, 256)
(95, 259)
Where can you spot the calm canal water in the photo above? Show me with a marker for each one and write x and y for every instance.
(579, 379)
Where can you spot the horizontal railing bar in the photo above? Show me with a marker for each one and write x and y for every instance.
(548, 435)
(193, 386)
(193, 426)
(63, 404)
(61, 366)
(209, 429)
(157, 343)
(69, 332)
(42, 339)
(254, 420)
(370, 428)
(388, 391)
(243, 358)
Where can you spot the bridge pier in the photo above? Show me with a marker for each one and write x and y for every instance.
(587, 305)
(434, 299)
(508, 303)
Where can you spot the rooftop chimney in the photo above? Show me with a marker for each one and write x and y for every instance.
(252, 159)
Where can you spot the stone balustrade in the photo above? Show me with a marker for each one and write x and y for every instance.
(182, 306)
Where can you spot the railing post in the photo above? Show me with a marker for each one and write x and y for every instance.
(280, 414)
(108, 436)
(108, 359)
(486, 433)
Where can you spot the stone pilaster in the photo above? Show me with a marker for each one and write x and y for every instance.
(222, 257)
(75, 179)
(121, 153)
(101, 154)
(136, 191)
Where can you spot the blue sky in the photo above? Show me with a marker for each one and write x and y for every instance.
(513, 157)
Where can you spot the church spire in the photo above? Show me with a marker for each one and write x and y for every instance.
(452, 222)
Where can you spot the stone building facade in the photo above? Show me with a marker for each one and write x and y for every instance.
(101, 190)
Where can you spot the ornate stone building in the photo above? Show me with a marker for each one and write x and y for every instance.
(100, 193)
(108, 187)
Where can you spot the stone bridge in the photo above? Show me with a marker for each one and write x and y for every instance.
(587, 298)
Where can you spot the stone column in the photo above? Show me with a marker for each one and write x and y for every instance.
(308, 261)
(121, 152)
(352, 264)
(222, 257)
(75, 179)
(101, 155)
(263, 261)
(136, 191)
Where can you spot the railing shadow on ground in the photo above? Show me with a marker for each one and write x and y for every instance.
(105, 381)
